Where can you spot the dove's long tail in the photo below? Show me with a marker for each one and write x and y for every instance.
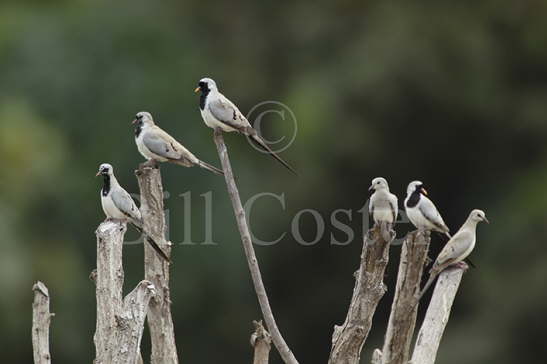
(427, 285)
(211, 168)
(260, 143)
(153, 244)
(422, 292)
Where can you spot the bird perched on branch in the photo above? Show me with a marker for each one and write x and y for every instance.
(220, 113)
(118, 205)
(383, 204)
(156, 145)
(421, 211)
(458, 247)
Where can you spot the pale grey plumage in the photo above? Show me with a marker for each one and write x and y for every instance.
(458, 247)
(383, 206)
(117, 204)
(421, 211)
(218, 112)
(162, 146)
(124, 202)
(155, 144)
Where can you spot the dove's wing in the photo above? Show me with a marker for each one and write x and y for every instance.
(456, 249)
(164, 145)
(371, 204)
(226, 112)
(430, 212)
(393, 203)
(123, 201)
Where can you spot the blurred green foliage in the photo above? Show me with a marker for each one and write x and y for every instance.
(452, 93)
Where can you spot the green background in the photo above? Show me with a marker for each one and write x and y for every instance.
(451, 93)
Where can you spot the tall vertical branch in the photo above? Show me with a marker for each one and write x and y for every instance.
(41, 319)
(282, 347)
(349, 338)
(108, 287)
(437, 315)
(120, 323)
(160, 321)
(400, 328)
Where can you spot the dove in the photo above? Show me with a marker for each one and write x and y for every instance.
(156, 145)
(383, 204)
(220, 113)
(118, 205)
(421, 212)
(458, 247)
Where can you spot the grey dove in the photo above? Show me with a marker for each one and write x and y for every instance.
(118, 205)
(220, 113)
(156, 145)
(383, 205)
(458, 247)
(421, 211)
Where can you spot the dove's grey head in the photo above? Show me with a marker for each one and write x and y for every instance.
(143, 118)
(205, 85)
(379, 183)
(105, 169)
(416, 186)
(478, 216)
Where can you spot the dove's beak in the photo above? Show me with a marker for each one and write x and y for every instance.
(197, 89)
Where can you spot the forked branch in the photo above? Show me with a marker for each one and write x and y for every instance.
(349, 338)
(400, 328)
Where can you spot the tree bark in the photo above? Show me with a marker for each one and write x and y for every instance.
(348, 339)
(261, 341)
(120, 323)
(400, 328)
(282, 347)
(108, 286)
(41, 319)
(160, 321)
(436, 318)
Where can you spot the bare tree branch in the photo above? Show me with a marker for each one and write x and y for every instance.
(400, 328)
(160, 321)
(436, 318)
(279, 342)
(120, 323)
(130, 324)
(348, 339)
(41, 319)
(261, 341)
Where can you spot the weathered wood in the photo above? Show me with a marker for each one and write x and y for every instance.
(120, 323)
(349, 338)
(41, 319)
(437, 315)
(400, 328)
(156, 270)
(280, 344)
(261, 341)
(108, 287)
(130, 324)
